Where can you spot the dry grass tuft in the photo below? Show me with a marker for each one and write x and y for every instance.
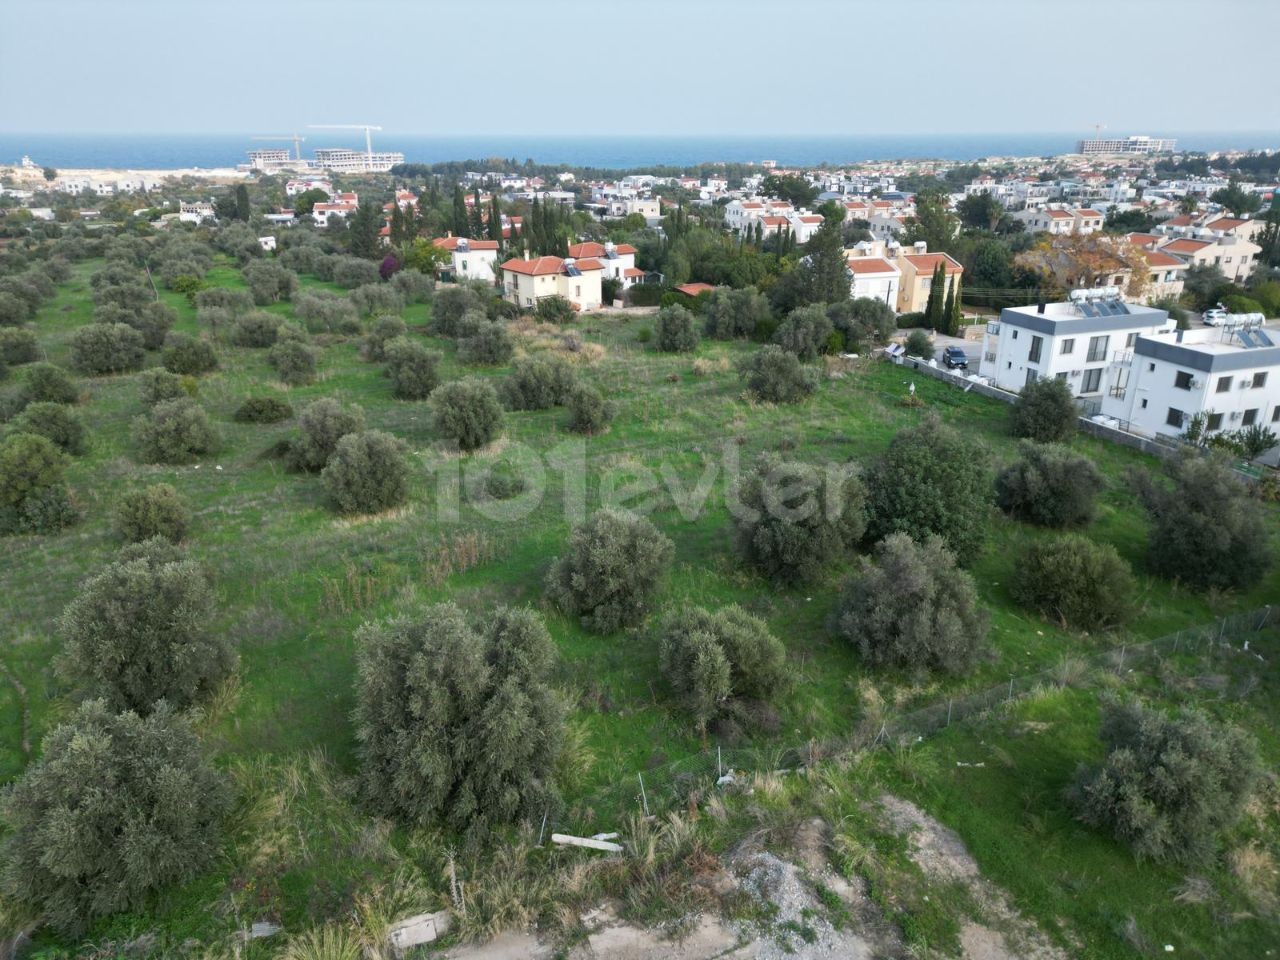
(704, 366)
(454, 554)
(1255, 868)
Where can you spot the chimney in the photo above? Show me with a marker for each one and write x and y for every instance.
(1040, 305)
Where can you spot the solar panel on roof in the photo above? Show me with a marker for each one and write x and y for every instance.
(1246, 338)
(1103, 307)
(1262, 338)
(1087, 309)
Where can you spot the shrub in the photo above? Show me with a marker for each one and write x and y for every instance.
(17, 346)
(1170, 784)
(263, 410)
(413, 369)
(154, 511)
(224, 298)
(794, 520)
(676, 331)
(1205, 530)
(102, 348)
(1045, 411)
(734, 313)
(186, 355)
(269, 282)
(13, 310)
(644, 335)
(414, 285)
(589, 412)
(1049, 485)
(257, 329)
(458, 722)
(554, 309)
(154, 321)
(450, 305)
(384, 329)
(46, 383)
(367, 473)
(55, 422)
(538, 383)
(467, 411)
(612, 570)
(931, 480)
(177, 431)
(376, 298)
(862, 321)
(325, 312)
(352, 272)
(140, 632)
(33, 496)
(1074, 581)
(295, 362)
(321, 425)
(130, 296)
(156, 385)
(775, 376)
(919, 344)
(913, 607)
(76, 851)
(805, 332)
(489, 343)
(710, 658)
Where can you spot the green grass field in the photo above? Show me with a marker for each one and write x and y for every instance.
(295, 581)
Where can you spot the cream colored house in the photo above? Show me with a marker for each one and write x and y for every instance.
(1232, 255)
(917, 276)
(526, 281)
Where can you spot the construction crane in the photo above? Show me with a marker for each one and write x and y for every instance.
(297, 141)
(366, 127)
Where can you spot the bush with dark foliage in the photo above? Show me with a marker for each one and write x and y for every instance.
(805, 332)
(18, 345)
(263, 410)
(1049, 485)
(320, 426)
(489, 343)
(913, 607)
(589, 411)
(538, 383)
(794, 520)
(154, 511)
(53, 421)
(677, 332)
(177, 431)
(775, 376)
(45, 382)
(414, 370)
(257, 329)
(33, 495)
(157, 384)
(104, 348)
(1045, 411)
(295, 362)
(187, 355)
(611, 571)
(455, 722)
(1170, 785)
(367, 473)
(77, 850)
(467, 411)
(1074, 581)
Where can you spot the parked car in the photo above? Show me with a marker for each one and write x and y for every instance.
(1215, 315)
(955, 358)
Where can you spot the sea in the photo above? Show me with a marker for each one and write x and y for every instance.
(173, 151)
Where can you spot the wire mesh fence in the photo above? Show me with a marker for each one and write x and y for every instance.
(655, 790)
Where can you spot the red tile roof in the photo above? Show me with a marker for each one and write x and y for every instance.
(872, 265)
(1226, 224)
(538, 266)
(588, 264)
(1157, 259)
(1143, 239)
(633, 272)
(926, 263)
(1185, 245)
(590, 248)
(773, 221)
(451, 243)
(693, 289)
(1089, 213)
(1180, 221)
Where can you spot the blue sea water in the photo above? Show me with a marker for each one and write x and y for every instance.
(166, 151)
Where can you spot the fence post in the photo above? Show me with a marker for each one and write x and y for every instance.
(543, 829)
(1120, 669)
(949, 703)
(1010, 688)
(1266, 615)
(719, 764)
(644, 800)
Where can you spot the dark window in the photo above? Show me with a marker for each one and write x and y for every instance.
(1034, 355)
(1015, 334)
(1068, 345)
(1275, 414)
(1224, 384)
(1032, 377)
(1260, 379)
(1214, 422)
(1144, 403)
(1063, 376)
(1092, 381)
(1098, 348)
(1174, 419)
(1250, 417)
(1182, 380)
(1130, 340)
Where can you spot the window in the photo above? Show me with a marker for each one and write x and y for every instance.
(1275, 414)
(1098, 348)
(1151, 367)
(1224, 384)
(1130, 340)
(1144, 403)
(1063, 376)
(1033, 356)
(1068, 345)
(1092, 381)
(1182, 380)
(1260, 379)
(1250, 417)
(1174, 418)
(1032, 377)
(1015, 334)
(1214, 422)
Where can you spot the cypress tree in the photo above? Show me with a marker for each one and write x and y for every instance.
(461, 226)
(495, 219)
(242, 203)
(948, 310)
(933, 310)
(956, 318)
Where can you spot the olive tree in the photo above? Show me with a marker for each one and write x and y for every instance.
(367, 473)
(774, 375)
(256, 329)
(458, 722)
(55, 422)
(676, 330)
(538, 383)
(794, 520)
(103, 348)
(1049, 485)
(140, 631)
(1045, 411)
(176, 431)
(321, 425)
(295, 362)
(154, 511)
(187, 355)
(45, 382)
(488, 343)
(384, 330)
(156, 385)
(589, 412)
(932, 480)
(18, 345)
(269, 282)
(1074, 581)
(912, 606)
(805, 332)
(611, 571)
(467, 411)
(33, 494)
(1170, 784)
(735, 313)
(117, 807)
(413, 369)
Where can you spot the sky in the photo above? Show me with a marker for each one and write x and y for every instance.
(608, 67)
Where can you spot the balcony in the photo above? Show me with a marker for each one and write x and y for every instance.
(1122, 358)
(1117, 392)
(993, 329)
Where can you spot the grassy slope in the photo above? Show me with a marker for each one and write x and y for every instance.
(295, 581)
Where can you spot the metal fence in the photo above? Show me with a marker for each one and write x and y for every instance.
(671, 785)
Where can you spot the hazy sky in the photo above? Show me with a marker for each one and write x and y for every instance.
(639, 66)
